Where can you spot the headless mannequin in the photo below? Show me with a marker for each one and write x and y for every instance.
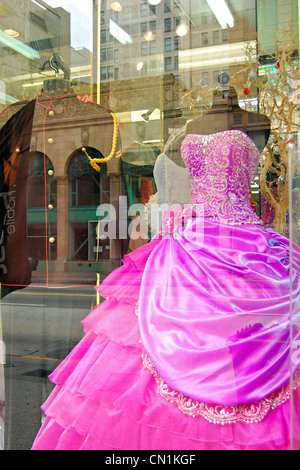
(225, 114)
(173, 182)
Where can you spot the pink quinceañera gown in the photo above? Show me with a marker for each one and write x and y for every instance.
(192, 347)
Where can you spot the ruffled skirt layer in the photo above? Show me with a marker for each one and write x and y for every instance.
(105, 399)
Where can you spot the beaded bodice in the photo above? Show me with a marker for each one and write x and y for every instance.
(221, 166)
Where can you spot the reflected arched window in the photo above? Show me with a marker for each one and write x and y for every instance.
(87, 187)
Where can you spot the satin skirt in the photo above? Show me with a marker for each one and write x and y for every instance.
(211, 320)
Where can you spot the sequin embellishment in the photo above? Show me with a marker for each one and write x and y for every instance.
(221, 166)
(218, 414)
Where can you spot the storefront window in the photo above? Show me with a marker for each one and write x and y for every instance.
(149, 225)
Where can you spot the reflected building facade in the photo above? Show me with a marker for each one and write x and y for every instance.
(155, 67)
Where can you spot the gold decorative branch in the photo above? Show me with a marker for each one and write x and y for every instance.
(274, 78)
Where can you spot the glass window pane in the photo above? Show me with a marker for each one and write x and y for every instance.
(167, 6)
(144, 28)
(168, 63)
(144, 48)
(149, 158)
(152, 25)
(143, 9)
(153, 47)
(103, 73)
(216, 35)
(204, 39)
(168, 25)
(168, 44)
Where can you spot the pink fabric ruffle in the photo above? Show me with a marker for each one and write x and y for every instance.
(104, 399)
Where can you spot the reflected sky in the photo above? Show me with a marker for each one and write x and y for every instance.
(81, 20)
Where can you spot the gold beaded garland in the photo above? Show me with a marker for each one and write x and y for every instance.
(94, 161)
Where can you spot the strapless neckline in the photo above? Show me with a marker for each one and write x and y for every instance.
(221, 166)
